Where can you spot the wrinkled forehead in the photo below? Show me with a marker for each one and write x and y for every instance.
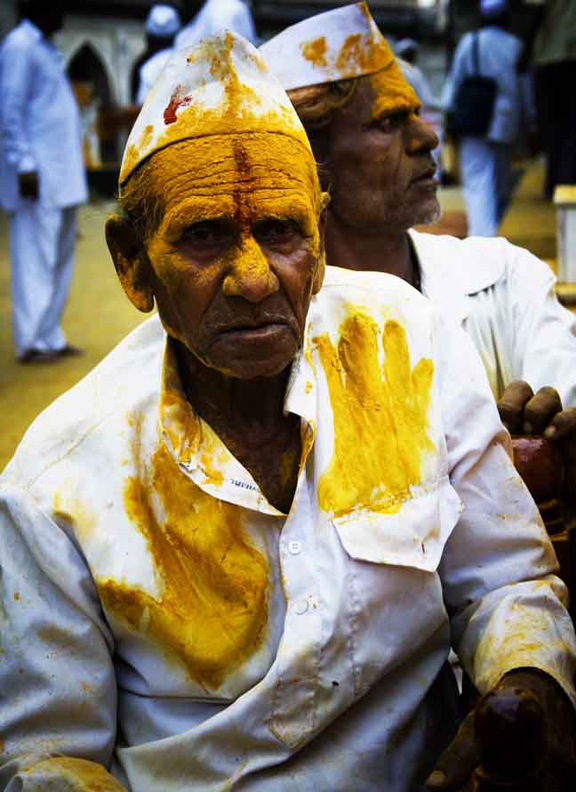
(392, 92)
(217, 175)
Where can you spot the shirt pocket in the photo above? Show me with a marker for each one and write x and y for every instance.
(394, 598)
(414, 536)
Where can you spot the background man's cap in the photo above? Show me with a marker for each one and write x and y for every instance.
(222, 86)
(163, 21)
(493, 8)
(336, 45)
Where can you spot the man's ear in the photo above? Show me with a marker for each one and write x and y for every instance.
(131, 262)
(320, 269)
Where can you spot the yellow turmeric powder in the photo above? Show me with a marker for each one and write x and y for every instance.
(212, 610)
(380, 417)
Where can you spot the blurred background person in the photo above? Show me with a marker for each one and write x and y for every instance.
(162, 25)
(486, 161)
(551, 47)
(407, 50)
(215, 16)
(42, 179)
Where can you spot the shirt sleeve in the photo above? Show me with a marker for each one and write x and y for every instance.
(545, 331)
(16, 85)
(58, 722)
(507, 607)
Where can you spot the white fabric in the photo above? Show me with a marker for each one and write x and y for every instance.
(162, 21)
(504, 298)
(485, 169)
(498, 53)
(42, 245)
(287, 56)
(40, 123)
(345, 637)
(191, 98)
(216, 16)
(149, 72)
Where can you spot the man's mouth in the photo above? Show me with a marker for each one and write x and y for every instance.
(254, 330)
(428, 175)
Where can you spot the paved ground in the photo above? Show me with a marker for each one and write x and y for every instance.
(98, 315)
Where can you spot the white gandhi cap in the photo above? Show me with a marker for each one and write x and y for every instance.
(336, 45)
(222, 86)
(163, 21)
(492, 8)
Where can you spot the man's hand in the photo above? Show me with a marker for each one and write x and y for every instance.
(29, 185)
(520, 736)
(523, 412)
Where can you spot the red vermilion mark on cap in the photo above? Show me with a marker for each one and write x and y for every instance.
(178, 99)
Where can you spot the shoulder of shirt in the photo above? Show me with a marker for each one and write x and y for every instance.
(21, 37)
(129, 376)
(350, 283)
(475, 264)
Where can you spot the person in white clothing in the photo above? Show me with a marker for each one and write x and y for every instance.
(485, 162)
(236, 555)
(501, 294)
(216, 16)
(42, 180)
(162, 25)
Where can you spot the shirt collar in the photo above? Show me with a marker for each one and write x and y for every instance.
(200, 452)
(467, 265)
(452, 272)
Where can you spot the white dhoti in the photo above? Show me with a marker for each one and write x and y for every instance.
(486, 178)
(42, 243)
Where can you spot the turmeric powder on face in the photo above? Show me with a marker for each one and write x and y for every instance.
(240, 220)
(392, 92)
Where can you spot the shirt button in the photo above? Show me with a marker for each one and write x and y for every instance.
(294, 547)
(301, 607)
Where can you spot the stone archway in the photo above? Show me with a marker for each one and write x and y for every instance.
(90, 81)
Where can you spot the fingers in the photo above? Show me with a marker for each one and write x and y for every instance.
(563, 424)
(511, 405)
(458, 761)
(540, 410)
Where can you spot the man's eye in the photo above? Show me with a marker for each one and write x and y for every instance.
(276, 232)
(391, 122)
(206, 234)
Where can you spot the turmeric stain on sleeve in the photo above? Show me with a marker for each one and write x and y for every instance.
(380, 417)
(212, 610)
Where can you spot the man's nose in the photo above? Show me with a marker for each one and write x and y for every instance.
(249, 275)
(420, 136)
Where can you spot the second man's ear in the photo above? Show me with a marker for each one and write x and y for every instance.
(320, 271)
(131, 262)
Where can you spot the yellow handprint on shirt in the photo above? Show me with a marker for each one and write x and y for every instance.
(380, 417)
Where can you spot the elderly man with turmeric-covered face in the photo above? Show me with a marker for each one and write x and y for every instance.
(236, 555)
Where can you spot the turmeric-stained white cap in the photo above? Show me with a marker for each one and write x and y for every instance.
(222, 86)
(336, 45)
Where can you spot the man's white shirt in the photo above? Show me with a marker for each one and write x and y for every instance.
(504, 299)
(366, 584)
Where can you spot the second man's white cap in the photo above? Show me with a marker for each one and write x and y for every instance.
(493, 8)
(163, 21)
(337, 45)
